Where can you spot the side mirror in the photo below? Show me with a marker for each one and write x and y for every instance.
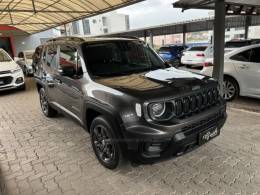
(67, 71)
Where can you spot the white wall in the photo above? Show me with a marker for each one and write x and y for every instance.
(30, 42)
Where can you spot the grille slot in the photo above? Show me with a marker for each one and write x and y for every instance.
(5, 80)
(195, 103)
(203, 124)
(5, 72)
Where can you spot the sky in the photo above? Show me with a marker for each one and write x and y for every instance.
(158, 12)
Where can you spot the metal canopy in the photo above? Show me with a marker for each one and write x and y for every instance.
(233, 7)
(33, 16)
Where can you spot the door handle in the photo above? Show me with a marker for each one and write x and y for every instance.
(243, 66)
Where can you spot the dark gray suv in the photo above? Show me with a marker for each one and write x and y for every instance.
(134, 105)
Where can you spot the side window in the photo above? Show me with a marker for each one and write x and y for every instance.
(243, 56)
(69, 60)
(255, 57)
(51, 56)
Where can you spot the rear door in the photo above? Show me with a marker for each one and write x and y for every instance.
(252, 73)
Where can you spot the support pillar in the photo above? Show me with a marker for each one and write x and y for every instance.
(247, 24)
(219, 42)
(145, 36)
(184, 30)
(151, 39)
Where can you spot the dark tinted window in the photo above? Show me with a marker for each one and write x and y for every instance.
(236, 44)
(198, 48)
(69, 58)
(255, 56)
(243, 56)
(120, 58)
(51, 56)
(165, 49)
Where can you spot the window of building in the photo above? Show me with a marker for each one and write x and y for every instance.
(243, 56)
(94, 21)
(75, 27)
(105, 30)
(86, 26)
(104, 21)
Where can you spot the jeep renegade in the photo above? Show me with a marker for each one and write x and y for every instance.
(134, 105)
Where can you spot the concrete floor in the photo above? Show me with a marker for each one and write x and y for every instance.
(54, 156)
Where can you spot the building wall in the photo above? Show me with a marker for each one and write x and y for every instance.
(101, 24)
(30, 42)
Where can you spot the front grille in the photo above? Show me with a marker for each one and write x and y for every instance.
(5, 72)
(195, 103)
(202, 124)
(5, 80)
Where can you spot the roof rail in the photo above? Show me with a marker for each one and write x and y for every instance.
(117, 36)
(67, 38)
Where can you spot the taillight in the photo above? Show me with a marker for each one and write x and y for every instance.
(201, 55)
(207, 64)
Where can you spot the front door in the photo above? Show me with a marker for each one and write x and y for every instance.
(70, 85)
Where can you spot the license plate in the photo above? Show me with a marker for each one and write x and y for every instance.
(208, 135)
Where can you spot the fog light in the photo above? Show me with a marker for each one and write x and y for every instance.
(152, 149)
(19, 80)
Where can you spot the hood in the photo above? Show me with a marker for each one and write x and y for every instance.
(160, 83)
(5, 66)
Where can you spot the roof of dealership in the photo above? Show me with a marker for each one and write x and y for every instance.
(34, 16)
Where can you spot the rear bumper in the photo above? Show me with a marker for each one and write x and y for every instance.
(152, 147)
(192, 62)
(11, 81)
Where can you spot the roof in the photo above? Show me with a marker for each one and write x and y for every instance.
(196, 25)
(233, 7)
(34, 16)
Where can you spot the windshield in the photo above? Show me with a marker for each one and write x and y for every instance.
(165, 50)
(4, 57)
(28, 55)
(236, 44)
(120, 58)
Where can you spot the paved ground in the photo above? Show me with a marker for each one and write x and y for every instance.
(54, 156)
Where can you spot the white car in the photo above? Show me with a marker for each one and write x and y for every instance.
(196, 56)
(25, 61)
(241, 72)
(11, 74)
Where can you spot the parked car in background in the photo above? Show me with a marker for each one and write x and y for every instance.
(25, 61)
(172, 53)
(11, 75)
(133, 104)
(241, 72)
(196, 55)
(236, 43)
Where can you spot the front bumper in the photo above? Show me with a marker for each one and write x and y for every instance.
(11, 80)
(172, 140)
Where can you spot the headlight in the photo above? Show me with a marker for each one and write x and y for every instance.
(161, 111)
(16, 70)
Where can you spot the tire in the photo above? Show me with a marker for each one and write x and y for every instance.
(47, 110)
(230, 89)
(108, 153)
